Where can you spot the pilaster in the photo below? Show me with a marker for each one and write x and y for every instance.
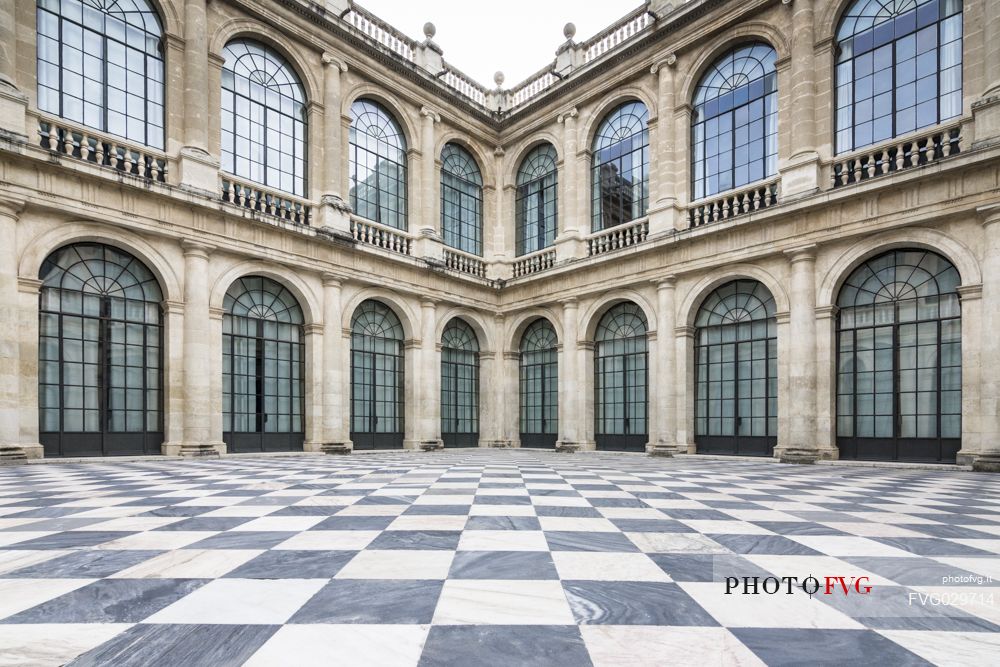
(334, 211)
(663, 440)
(10, 326)
(13, 102)
(662, 210)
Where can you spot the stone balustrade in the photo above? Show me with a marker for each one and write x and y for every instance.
(102, 149)
(381, 32)
(733, 203)
(899, 154)
(268, 202)
(616, 238)
(374, 234)
(535, 262)
(466, 86)
(529, 88)
(622, 31)
(463, 262)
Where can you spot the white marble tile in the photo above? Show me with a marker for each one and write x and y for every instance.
(846, 545)
(502, 602)
(760, 515)
(189, 564)
(675, 504)
(330, 540)
(632, 513)
(160, 539)
(398, 564)
(7, 524)
(651, 646)
(327, 501)
(15, 559)
(356, 644)
(736, 610)
(372, 510)
(949, 649)
(863, 529)
(607, 566)
(572, 523)
(600, 493)
(16, 595)
(676, 543)
(984, 565)
(132, 523)
(215, 501)
(444, 500)
(722, 527)
(502, 510)
(241, 601)
(503, 540)
(428, 522)
(279, 523)
(992, 546)
(242, 511)
(43, 645)
(559, 501)
(817, 566)
(14, 536)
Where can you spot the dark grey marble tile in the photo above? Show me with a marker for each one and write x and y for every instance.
(568, 540)
(84, 565)
(372, 601)
(503, 565)
(696, 514)
(617, 502)
(179, 645)
(931, 546)
(947, 531)
(503, 500)
(243, 539)
(915, 571)
(437, 510)
(176, 510)
(578, 512)
(504, 646)
(707, 567)
(633, 603)
(55, 525)
(651, 526)
(502, 523)
(794, 648)
(74, 539)
(355, 523)
(286, 564)
(110, 601)
(307, 510)
(798, 528)
(417, 539)
(205, 523)
(763, 544)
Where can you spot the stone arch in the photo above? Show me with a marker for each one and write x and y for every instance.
(715, 49)
(592, 316)
(697, 294)
(484, 163)
(521, 150)
(41, 246)
(303, 64)
(520, 322)
(399, 305)
(608, 104)
(393, 105)
(921, 237)
(473, 319)
(290, 280)
(829, 19)
(169, 16)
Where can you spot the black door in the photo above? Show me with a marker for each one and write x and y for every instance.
(621, 379)
(459, 386)
(539, 386)
(376, 401)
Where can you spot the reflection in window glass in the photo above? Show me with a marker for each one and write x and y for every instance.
(101, 64)
(620, 167)
(899, 69)
(535, 206)
(377, 165)
(735, 121)
(461, 200)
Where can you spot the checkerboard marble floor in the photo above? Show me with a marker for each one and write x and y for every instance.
(480, 557)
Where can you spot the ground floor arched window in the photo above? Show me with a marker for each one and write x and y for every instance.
(263, 367)
(899, 357)
(539, 385)
(376, 377)
(736, 359)
(459, 385)
(99, 354)
(621, 379)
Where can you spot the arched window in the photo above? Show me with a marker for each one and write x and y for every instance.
(99, 354)
(539, 385)
(376, 377)
(620, 167)
(899, 388)
(262, 367)
(459, 385)
(263, 118)
(621, 379)
(378, 165)
(734, 124)
(536, 200)
(461, 200)
(100, 63)
(899, 68)
(736, 359)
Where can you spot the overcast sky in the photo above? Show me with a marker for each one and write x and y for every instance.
(517, 37)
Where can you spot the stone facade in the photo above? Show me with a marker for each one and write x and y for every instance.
(801, 247)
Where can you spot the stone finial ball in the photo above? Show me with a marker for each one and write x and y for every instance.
(569, 31)
(498, 79)
(429, 30)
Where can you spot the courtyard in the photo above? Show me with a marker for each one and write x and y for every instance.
(507, 557)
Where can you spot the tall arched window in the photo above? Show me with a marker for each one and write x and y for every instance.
(535, 206)
(99, 354)
(459, 385)
(736, 357)
(377, 165)
(734, 124)
(263, 367)
(619, 184)
(376, 377)
(539, 385)
(263, 118)
(100, 63)
(461, 200)
(899, 388)
(899, 68)
(621, 379)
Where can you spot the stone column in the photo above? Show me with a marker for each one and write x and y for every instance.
(826, 382)
(986, 110)
(991, 61)
(198, 169)
(10, 327)
(334, 433)
(429, 378)
(800, 404)
(173, 372)
(197, 356)
(665, 350)
(661, 214)
(682, 164)
(988, 456)
(570, 406)
(334, 209)
(428, 236)
(568, 235)
(800, 174)
(312, 398)
(684, 389)
(13, 103)
(511, 383)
